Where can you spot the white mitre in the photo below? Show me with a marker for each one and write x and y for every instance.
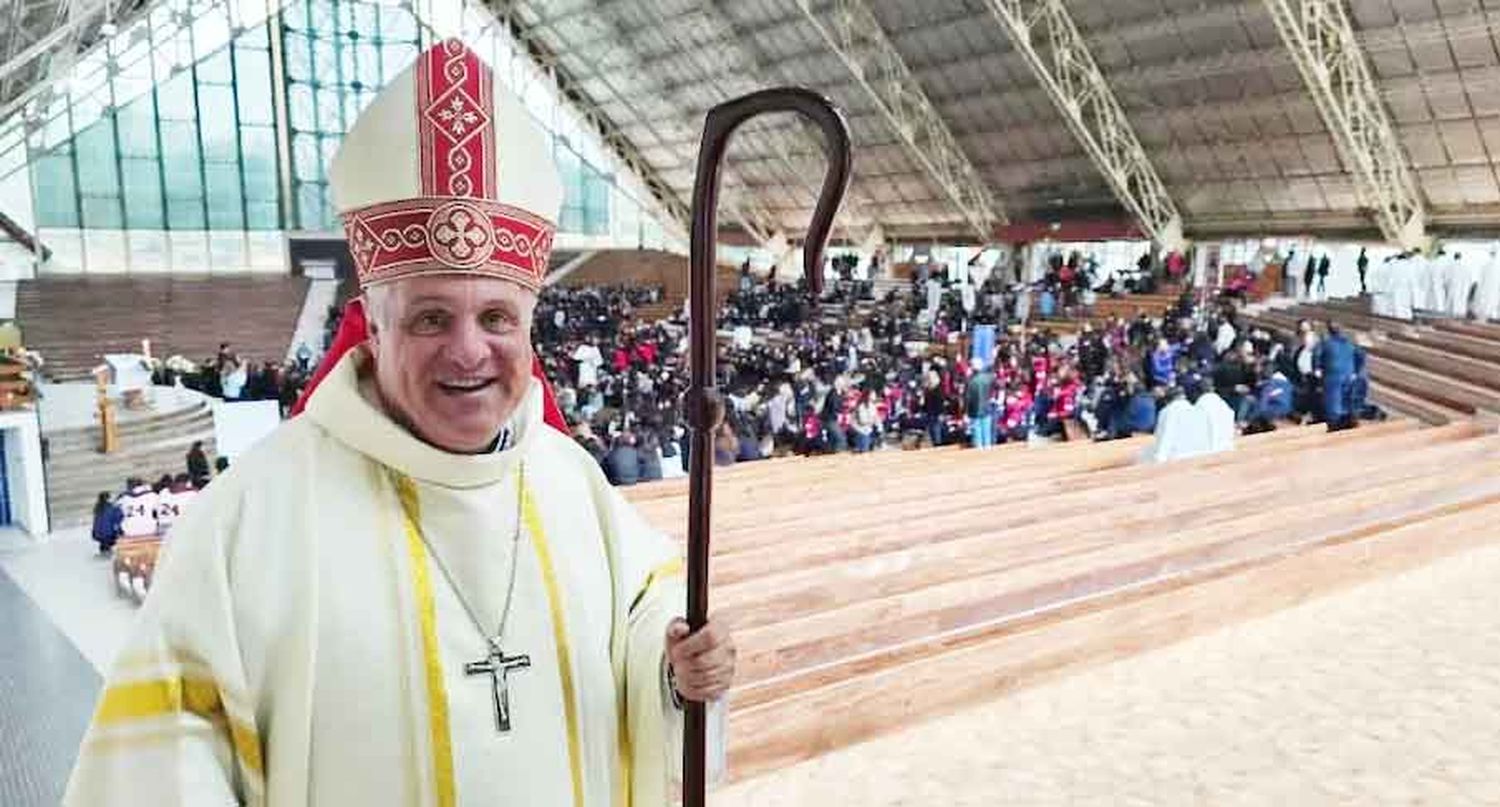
(447, 173)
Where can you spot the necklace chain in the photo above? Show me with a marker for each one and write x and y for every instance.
(515, 561)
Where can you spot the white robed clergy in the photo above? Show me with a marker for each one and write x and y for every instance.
(1377, 280)
(1415, 270)
(1431, 293)
(1220, 419)
(934, 295)
(1182, 432)
(1401, 287)
(1487, 297)
(419, 591)
(1458, 285)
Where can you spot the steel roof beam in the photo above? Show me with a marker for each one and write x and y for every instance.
(853, 33)
(1321, 41)
(795, 139)
(64, 34)
(1135, 78)
(673, 209)
(747, 210)
(1066, 70)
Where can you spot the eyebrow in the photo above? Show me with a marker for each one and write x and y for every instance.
(435, 299)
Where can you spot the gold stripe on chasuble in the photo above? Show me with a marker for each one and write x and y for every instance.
(668, 569)
(671, 568)
(404, 591)
(199, 696)
(432, 662)
(439, 734)
(624, 760)
(533, 522)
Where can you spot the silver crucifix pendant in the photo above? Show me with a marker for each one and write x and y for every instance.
(498, 666)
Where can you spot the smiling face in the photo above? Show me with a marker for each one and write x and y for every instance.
(452, 355)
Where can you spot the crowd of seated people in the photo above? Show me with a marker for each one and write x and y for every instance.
(563, 311)
(895, 372)
(1264, 380)
(898, 374)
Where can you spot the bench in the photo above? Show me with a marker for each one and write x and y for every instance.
(134, 565)
(851, 576)
(834, 669)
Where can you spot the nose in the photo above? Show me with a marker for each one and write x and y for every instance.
(467, 348)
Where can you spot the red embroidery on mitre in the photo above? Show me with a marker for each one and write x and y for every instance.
(451, 236)
(455, 122)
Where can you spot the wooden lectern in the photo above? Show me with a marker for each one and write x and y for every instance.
(109, 430)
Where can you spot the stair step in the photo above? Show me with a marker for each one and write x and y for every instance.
(88, 460)
(71, 496)
(188, 420)
(85, 443)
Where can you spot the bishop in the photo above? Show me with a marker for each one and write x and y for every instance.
(312, 634)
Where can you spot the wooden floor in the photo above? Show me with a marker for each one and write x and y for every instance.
(869, 592)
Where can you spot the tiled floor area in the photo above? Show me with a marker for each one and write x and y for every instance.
(47, 691)
(72, 587)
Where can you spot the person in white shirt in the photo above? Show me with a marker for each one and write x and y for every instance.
(1487, 300)
(1436, 275)
(1401, 286)
(589, 358)
(1307, 355)
(1220, 420)
(173, 502)
(1377, 285)
(778, 409)
(1225, 338)
(1182, 431)
(1458, 282)
(139, 506)
(232, 380)
(1417, 272)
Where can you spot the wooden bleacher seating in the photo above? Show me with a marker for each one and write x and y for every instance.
(669, 270)
(647, 267)
(1488, 331)
(181, 314)
(870, 591)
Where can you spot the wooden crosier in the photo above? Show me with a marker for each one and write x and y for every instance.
(703, 404)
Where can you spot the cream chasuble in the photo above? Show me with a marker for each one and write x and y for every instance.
(302, 645)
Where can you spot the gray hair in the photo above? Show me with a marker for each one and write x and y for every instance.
(378, 306)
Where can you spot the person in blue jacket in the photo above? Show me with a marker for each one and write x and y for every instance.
(1138, 414)
(1338, 359)
(1274, 399)
(109, 522)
